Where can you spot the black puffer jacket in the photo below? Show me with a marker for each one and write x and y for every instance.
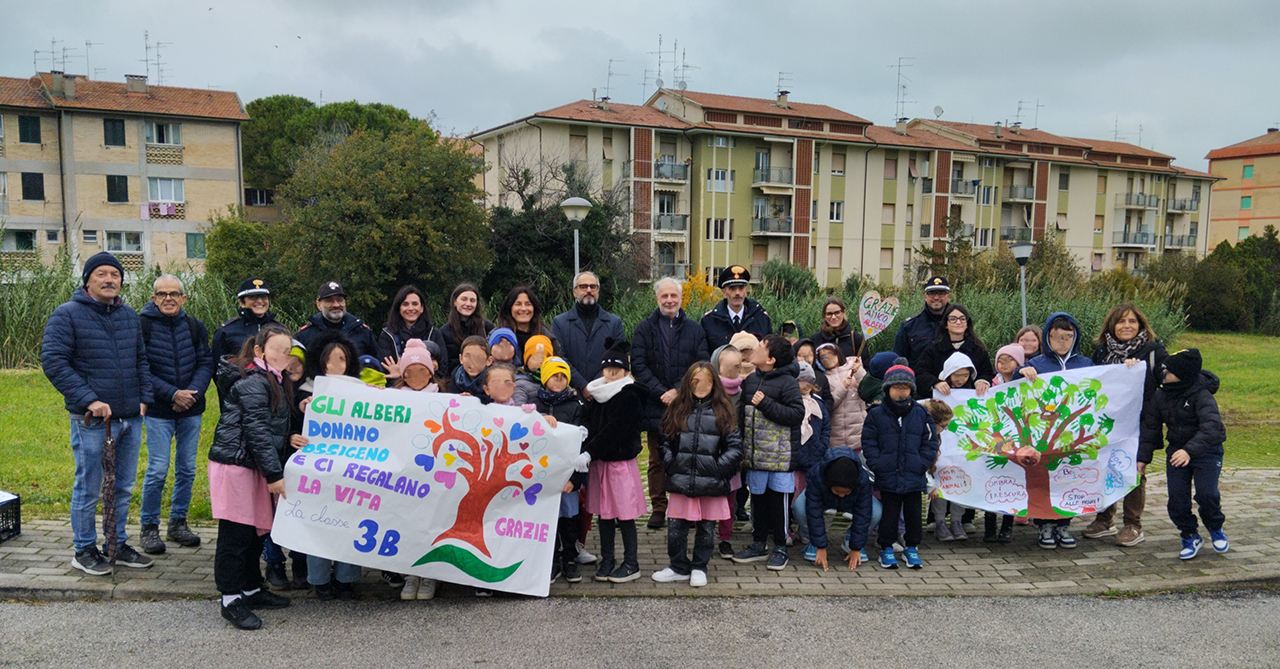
(934, 358)
(700, 460)
(1195, 425)
(453, 345)
(249, 434)
(567, 412)
(613, 427)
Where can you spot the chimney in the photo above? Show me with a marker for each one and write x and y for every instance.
(57, 78)
(782, 99)
(997, 131)
(1271, 130)
(1016, 127)
(69, 87)
(135, 83)
(901, 127)
(604, 103)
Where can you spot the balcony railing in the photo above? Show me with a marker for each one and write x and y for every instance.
(773, 175)
(770, 226)
(963, 187)
(25, 259)
(1137, 201)
(966, 230)
(1180, 241)
(1121, 238)
(671, 222)
(926, 185)
(924, 230)
(677, 270)
(1184, 205)
(756, 274)
(671, 172)
(1020, 193)
(1015, 234)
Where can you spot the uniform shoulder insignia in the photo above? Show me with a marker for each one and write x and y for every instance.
(304, 327)
(230, 322)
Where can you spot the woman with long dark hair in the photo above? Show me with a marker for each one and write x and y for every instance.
(466, 319)
(522, 312)
(836, 329)
(955, 335)
(408, 318)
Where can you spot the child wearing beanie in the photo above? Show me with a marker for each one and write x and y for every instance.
(503, 346)
(871, 389)
(555, 397)
(1008, 360)
(838, 477)
(899, 444)
(416, 368)
(528, 377)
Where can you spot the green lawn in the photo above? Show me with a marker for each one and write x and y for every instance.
(37, 463)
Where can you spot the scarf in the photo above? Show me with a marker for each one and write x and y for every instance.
(262, 364)
(837, 331)
(552, 399)
(602, 391)
(588, 313)
(731, 386)
(463, 383)
(899, 408)
(1119, 351)
(811, 410)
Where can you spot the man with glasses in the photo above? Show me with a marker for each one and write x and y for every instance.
(180, 364)
(331, 301)
(736, 312)
(917, 332)
(582, 330)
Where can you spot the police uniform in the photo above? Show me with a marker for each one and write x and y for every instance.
(917, 332)
(719, 324)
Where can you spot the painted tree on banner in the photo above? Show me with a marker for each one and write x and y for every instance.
(484, 466)
(1039, 427)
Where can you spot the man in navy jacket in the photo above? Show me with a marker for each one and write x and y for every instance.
(92, 353)
(581, 332)
(181, 365)
(736, 312)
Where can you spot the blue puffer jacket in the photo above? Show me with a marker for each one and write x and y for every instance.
(818, 498)
(175, 363)
(1048, 361)
(898, 452)
(93, 352)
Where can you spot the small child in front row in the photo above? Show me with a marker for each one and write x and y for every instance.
(499, 384)
(958, 372)
(899, 444)
(1184, 403)
(701, 451)
(557, 399)
(615, 493)
(473, 357)
(503, 346)
(529, 376)
(1008, 359)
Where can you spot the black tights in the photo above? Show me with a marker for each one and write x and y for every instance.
(769, 515)
(630, 546)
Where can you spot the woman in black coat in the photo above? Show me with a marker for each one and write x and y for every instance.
(955, 334)
(466, 319)
(409, 318)
(836, 329)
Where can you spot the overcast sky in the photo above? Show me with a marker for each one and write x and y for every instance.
(1193, 75)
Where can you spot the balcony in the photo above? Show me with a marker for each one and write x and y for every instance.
(164, 154)
(677, 270)
(1121, 238)
(966, 230)
(1020, 194)
(19, 260)
(770, 226)
(1136, 201)
(1015, 234)
(1180, 241)
(756, 273)
(925, 231)
(1187, 205)
(671, 172)
(773, 176)
(671, 222)
(963, 187)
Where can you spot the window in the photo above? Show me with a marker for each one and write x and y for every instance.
(1158, 178)
(887, 214)
(259, 197)
(813, 212)
(716, 180)
(164, 190)
(891, 168)
(4, 182)
(29, 129)
(1097, 224)
(988, 162)
(815, 162)
(1195, 193)
(1102, 183)
(986, 195)
(195, 246)
(886, 258)
(762, 159)
(578, 147)
(1064, 179)
(1242, 232)
(910, 214)
(666, 203)
(124, 242)
(1246, 201)
(1062, 221)
(834, 257)
(837, 164)
(608, 151)
(19, 240)
(1097, 262)
(837, 211)
(117, 188)
(52, 236)
(164, 133)
(1248, 172)
(721, 142)
(113, 131)
(33, 186)
(719, 230)
(89, 237)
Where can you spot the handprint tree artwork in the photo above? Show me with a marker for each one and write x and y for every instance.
(1038, 427)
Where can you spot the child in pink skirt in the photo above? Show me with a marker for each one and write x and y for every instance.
(613, 419)
(701, 451)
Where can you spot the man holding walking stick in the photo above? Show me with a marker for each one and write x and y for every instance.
(93, 354)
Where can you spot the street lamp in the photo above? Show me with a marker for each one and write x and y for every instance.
(1021, 252)
(575, 209)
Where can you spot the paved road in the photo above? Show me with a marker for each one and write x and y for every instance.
(1225, 630)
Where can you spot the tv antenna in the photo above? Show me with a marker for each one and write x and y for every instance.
(1035, 124)
(784, 78)
(159, 65)
(1116, 135)
(89, 71)
(146, 50)
(683, 77)
(608, 86)
(900, 96)
(65, 53)
(1139, 134)
(644, 85)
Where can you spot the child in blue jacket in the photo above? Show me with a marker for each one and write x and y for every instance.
(839, 476)
(900, 443)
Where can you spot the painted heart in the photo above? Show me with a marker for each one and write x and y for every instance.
(425, 461)
(527, 471)
(531, 495)
(876, 313)
(543, 461)
(524, 445)
(449, 458)
(486, 431)
(518, 431)
(432, 425)
(537, 430)
(454, 417)
(447, 478)
(453, 403)
(498, 421)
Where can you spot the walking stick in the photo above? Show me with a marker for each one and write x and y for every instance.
(108, 489)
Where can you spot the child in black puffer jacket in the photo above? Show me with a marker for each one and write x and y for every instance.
(557, 399)
(701, 449)
(1184, 402)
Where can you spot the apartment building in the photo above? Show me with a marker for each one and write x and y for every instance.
(1247, 199)
(125, 167)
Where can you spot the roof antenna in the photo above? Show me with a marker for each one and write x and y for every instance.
(608, 86)
(88, 71)
(783, 79)
(900, 93)
(1036, 122)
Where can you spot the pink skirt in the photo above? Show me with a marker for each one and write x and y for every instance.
(697, 508)
(614, 490)
(240, 495)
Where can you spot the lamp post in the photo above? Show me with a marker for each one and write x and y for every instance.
(1021, 252)
(575, 209)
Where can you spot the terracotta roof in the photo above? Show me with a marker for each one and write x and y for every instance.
(1186, 171)
(919, 138)
(987, 133)
(768, 106)
(729, 129)
(111, 96)
(1122, 148)
(1263, 145)
(589, 111)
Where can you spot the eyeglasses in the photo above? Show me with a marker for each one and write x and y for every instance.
(257, 298)
(829, 314)
(588, 286)
(957, 319)
(175, 294)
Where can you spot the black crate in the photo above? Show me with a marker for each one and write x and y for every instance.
(10, 519)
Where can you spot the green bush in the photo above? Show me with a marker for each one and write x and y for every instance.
(788, 281)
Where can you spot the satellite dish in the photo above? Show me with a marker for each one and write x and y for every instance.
(661, 104)
(659, 83)
(683, 85)
(937, 111)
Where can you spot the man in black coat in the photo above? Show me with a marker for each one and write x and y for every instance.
(665, 345)
(331, 301)
(736, 312)
(916, 332)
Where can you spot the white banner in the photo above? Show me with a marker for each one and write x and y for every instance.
(1060, 447)
(427, 484)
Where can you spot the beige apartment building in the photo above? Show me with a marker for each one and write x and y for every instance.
(125, 167)
(1247, 195)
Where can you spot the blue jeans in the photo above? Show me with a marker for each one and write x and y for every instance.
(160, 432)
(86, 492)
(1203, 471)
(321, 570)
(798, 510)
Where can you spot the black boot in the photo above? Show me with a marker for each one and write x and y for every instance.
(180, 533)
(149, 538)
(299, 570)
(988, 527)
(276, 576)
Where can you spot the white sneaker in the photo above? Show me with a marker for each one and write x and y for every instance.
(410, 589)
(583, 556)
(847, 515)
(669, 575)
(897, 546)
(698, 578)
(428, 588)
